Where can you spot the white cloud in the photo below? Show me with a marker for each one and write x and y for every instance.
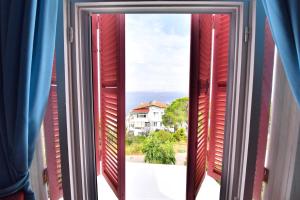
(157, 52)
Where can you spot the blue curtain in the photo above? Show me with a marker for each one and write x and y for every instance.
(27, 41)
(284, 17)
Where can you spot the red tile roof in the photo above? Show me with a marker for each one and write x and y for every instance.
(151, 103)
(141, 110)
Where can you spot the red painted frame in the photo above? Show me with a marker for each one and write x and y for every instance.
(113, 100)
(96, 87)
(218, 95)
(198, 102)
(193, 111)
(121, 108)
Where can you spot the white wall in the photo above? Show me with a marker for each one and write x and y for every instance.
(155, 116)
(295, 192)
(283, 159)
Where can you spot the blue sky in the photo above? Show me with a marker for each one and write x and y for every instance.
(157, 52)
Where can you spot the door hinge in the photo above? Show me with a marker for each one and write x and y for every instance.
(70, 34)
(207, 87)
(45, 176)
(266, 175)
(246, 34)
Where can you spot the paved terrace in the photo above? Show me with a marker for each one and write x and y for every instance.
(158, 182)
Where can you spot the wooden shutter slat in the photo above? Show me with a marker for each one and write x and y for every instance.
(112, 101)
(112, 60)
(110, 145)
(111, 113)
(112, 153)
(200, 62)
(51, 131)
(113, 177)
(112, 158)
(218, 96)
(111, 116)
(112, 163)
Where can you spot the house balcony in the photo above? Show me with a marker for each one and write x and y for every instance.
(158, 182)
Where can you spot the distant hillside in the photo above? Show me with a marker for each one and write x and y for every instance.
(135, 98)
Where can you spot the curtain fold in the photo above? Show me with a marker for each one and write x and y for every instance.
(284, 17)
(27, 41)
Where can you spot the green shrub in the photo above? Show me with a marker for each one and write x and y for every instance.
(134, 149)
(158, 148)
(162, 135)
(134, 144)
(131, 139)
(179, 135)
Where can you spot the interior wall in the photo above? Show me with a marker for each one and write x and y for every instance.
(283, 158)
(295, 192)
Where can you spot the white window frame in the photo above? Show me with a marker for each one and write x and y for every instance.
(75, 90)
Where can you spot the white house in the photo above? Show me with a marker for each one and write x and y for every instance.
(145, 118)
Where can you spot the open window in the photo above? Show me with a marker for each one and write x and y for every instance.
(218, 104)
(212, 89)
(209, 80)
(207, 107)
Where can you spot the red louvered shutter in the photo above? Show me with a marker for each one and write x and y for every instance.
(218, 95)
(96, 87)
(51, 131)
(266, 91)
(112, 67)
(201, 33)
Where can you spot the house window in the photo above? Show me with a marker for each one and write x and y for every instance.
(141, 115)
(154, 123)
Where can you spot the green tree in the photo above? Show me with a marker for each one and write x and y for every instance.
(176, 113)
(158, 148)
